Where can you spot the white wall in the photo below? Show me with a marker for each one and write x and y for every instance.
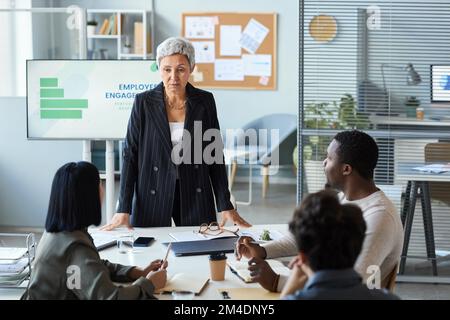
(27, 167)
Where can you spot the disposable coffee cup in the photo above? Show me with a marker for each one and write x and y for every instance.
(217, 264)
(420, 113)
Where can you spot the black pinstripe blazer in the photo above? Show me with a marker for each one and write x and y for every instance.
(148, 175)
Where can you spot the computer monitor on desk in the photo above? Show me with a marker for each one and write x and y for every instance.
(440, 83)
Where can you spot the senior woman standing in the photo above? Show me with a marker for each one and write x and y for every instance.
(153, 187)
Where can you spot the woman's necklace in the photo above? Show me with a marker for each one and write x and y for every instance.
(180, 106)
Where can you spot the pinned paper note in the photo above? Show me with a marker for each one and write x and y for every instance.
(197, 76)
(229, 40)
(264, 81)
(253, 35)
(199, 27)
(228, 70)
(204, 51)
(257, 64)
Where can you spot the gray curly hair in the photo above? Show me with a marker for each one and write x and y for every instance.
(176, 45)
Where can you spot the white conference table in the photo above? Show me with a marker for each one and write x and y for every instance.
(187, 264)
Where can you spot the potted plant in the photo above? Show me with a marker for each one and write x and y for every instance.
(349, 116)
(91, 26)
(411, 104)
(326, 115)
(317, 116)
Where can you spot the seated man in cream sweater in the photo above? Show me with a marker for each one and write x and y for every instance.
(349, 166)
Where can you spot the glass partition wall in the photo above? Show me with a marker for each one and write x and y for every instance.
(383, 67)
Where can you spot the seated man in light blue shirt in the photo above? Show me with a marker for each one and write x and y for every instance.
(329, 238)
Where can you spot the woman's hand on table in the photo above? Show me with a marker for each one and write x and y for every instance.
(234, 217)
(119, 219)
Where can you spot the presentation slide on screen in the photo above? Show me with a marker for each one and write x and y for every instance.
(441, 83)
(84, 99)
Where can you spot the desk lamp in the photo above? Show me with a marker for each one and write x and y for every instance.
(412, 77)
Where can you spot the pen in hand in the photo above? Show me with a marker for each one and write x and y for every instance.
(167, 254)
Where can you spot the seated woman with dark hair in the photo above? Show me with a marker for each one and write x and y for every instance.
(67, 264)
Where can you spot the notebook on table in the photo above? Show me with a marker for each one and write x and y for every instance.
(185, 282)
(240, 268)
(191, 248)
(103, 240)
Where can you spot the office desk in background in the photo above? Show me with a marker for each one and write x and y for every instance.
(188, 264)
(406, 121)
(418, 180)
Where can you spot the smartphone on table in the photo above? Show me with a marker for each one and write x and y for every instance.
(143, 241)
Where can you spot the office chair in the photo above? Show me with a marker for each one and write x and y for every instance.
(439, 152)
(261, 152)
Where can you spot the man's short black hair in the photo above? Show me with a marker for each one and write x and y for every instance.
(359, 150)
(74, 199)
(328, 233)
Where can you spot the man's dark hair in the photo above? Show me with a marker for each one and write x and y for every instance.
(359, 150)
(74, 199)
(328, 233)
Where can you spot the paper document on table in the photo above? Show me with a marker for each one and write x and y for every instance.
(194, 235)
(240, 268)
(13, 268)
(257, 235)
(12, 253)
(434, 168)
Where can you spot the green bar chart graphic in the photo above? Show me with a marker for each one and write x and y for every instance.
(61, 114)
(49, 82)
(52, 104)
(64, 103)
(52, 93)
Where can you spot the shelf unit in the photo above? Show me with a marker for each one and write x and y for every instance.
(15, 278)
(134, 27)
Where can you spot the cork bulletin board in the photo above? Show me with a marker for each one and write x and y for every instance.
(233, 50)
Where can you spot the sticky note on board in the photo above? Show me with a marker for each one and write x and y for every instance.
(216, 20)
(197, 76)
(264, 81)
